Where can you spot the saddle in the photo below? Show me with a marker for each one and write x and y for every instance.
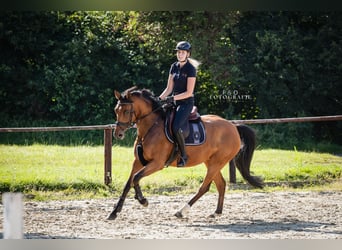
(194, 134)
(194, 115)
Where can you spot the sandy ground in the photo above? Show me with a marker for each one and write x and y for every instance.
(258, 215)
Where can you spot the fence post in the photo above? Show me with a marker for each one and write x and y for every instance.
(232, 172)
(108, 156)
(13, 213)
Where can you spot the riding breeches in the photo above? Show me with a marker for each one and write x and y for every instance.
(183, 110)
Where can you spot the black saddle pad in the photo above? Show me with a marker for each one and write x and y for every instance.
(196, 136)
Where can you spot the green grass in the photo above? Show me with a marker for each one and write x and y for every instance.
(63, 172)
(291, 165)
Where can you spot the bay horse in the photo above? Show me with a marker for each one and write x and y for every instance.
(224, 142)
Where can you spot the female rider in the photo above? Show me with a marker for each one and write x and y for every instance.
(180, 89)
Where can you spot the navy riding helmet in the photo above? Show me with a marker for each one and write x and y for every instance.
(183, 45)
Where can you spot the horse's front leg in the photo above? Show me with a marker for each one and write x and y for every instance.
(118, 207)
(150, 168)
(139, 196)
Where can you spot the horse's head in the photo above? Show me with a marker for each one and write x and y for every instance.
(124, 113)
(132, 105)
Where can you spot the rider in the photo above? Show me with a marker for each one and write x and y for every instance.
(180, 89)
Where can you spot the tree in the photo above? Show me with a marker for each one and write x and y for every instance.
(292, 62)
(62, 67)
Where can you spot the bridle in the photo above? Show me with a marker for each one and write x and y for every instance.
(131, 123)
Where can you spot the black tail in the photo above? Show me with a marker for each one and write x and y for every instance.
(244, 157)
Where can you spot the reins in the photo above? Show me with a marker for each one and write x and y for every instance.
(130, 123)
(153, 111)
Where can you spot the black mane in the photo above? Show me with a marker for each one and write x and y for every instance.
(149, 95)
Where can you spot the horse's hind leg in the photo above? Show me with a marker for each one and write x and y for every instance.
(203, 189)
(221, 188)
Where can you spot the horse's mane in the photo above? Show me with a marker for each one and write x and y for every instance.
(150, 97)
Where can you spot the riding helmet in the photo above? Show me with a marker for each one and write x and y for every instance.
(183, 45)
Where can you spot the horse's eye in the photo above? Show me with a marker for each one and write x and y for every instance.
(126, 112)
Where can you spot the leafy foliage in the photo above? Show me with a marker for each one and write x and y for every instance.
(62, 67)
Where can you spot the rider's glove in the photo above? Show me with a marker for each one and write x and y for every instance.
(169, 99)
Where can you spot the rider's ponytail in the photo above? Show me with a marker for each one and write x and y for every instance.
(194, 62)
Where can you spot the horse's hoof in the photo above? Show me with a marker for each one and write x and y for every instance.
(144, 203)
(112, 216)
(179, 214)
(215, 215)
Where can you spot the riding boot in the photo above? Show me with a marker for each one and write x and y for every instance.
(181, 143)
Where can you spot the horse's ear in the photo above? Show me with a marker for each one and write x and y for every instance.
(131, 89)
(127, 92)
(117, 95)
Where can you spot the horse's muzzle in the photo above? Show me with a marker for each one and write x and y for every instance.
(119, 133)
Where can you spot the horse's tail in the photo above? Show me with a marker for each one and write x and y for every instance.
(244, 157)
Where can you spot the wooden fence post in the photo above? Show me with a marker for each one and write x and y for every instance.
(232, 172)
(108, 156)
(13, 215)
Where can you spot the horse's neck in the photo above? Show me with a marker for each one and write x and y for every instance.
(144, 126)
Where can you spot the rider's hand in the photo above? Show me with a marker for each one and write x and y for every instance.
(169, 99)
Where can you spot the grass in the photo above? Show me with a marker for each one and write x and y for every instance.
(291, 165)
(67, 172)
